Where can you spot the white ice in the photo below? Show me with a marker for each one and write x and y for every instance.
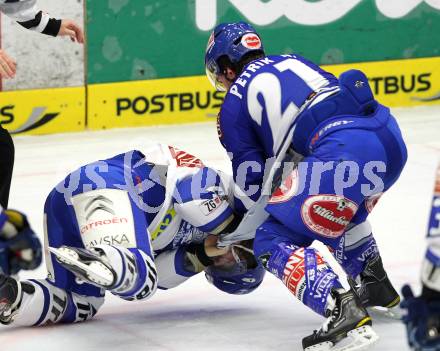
(195, 316)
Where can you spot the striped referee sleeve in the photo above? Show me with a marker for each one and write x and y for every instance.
(27, 14)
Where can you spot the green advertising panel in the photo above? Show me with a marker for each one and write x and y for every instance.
(146, 39)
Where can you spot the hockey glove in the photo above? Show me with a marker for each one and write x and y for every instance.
(19, 245)
(422, 320)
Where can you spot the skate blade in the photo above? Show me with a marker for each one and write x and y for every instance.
(95, 273)
(357, 339)
(385, 313)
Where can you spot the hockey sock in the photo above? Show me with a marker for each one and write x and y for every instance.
(357, 252)
(135, 272)
(305, 273)
(43, 303)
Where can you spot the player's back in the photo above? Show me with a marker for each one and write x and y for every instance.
(267, 94)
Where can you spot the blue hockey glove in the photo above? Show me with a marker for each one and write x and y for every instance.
(19, 245)
(422, 321)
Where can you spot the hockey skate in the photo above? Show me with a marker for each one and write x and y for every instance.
(376, 291)
(10, 298)
(89, 266)
(348, 327)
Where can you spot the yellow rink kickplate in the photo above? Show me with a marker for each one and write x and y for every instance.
(44, 111)
(400, 83)
(152, 102)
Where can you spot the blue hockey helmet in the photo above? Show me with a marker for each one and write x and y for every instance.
(240, 278)
(233, 40)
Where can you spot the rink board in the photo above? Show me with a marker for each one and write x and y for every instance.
(191, 99)
(152, 102)
(398, 83)
(45, 111)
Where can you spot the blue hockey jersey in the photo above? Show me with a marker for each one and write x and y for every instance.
(259, 109)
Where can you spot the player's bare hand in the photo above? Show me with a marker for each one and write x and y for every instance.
(8, 67)
(70, 29)
(211, 247)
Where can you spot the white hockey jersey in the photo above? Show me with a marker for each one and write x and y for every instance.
(196, 201)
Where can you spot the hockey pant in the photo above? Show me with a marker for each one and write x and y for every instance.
(328, 198)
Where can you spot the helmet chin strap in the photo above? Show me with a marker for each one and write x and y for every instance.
(236, 257)
(243, 248)
(235, 254)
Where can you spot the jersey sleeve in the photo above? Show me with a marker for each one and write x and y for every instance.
(173, 268)
(247, 157)
(27, 14)
(201, 201)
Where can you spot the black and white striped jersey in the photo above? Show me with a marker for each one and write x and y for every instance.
(27, 14)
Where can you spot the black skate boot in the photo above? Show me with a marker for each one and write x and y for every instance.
(376, 289)
(347, 328)
(89, 266)
(10, 298)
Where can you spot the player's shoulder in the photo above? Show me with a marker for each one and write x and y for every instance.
(237, 92)
(230, 110)
(227, 120)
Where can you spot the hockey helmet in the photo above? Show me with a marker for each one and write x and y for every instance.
(233, 40)
(241, 277)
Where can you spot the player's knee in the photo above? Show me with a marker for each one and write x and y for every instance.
(267, 236)
(263, 240)
(357, 234)
(272, 233)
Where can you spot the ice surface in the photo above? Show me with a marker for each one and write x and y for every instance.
(195, 316)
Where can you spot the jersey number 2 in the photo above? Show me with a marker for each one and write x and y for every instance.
(268, 86)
